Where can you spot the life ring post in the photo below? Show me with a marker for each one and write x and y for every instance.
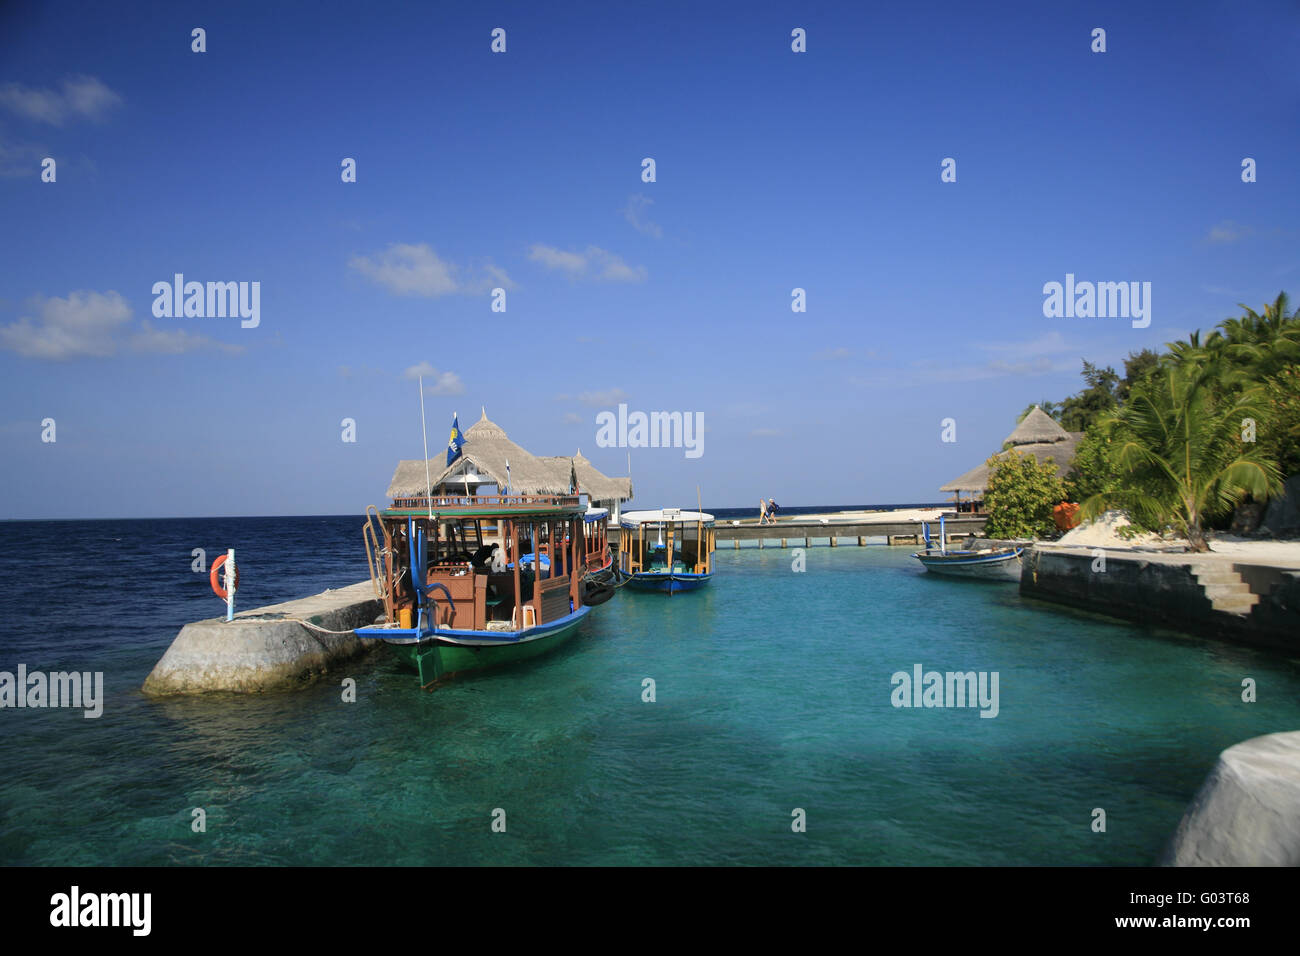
(225, 562)
(232, 583)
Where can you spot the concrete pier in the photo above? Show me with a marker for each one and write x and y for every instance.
(1213, 595)
(1247, 812)
(266, 648)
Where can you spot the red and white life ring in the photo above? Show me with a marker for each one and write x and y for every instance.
(217, 589)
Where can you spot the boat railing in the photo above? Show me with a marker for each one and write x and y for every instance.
(379, 557)
(504, 502)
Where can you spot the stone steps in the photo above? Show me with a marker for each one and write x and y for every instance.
(1225, 589)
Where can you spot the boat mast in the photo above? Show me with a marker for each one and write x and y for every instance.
(428, 484)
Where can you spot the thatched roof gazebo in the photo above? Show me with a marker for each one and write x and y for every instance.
(483, 460)
(1038, 435)
(596, 485)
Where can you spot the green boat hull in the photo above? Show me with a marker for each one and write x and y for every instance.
(436, 660)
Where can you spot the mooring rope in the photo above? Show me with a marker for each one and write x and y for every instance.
(315, 627)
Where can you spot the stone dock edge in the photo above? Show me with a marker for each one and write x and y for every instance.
(1162, 590)
(266, 648)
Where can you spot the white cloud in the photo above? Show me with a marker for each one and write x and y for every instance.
(448, 383)
(1228, 231)
(634, 213)
(998, 368)
(82, 97)
(572, 419)
(444, 383)
(611, 396)
(572, 262)
(406, 269)
(176, 341)
(616, 270)
(423, 370)
(494, 275)
(96, 325)
(21, 159)
(1050, 343)
(593, 263)
(839, 353)
(83, 324)
(1048, 354)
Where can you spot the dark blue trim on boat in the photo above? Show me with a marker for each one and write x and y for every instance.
(959, 558)
(408, 635)
(669, 582)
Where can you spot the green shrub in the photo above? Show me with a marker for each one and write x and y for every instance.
(1021, 495)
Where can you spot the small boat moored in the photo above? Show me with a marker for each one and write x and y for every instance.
(668, 550)
(993, 564)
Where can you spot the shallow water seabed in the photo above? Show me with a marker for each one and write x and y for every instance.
(772, 692)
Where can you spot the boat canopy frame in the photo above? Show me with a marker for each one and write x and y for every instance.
(426, 549)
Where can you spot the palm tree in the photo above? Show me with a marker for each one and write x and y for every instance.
(1180, 455)
(1264, 343)
(1194, 350)
(1253, 327)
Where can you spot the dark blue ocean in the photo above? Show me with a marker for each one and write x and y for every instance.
(773, 693)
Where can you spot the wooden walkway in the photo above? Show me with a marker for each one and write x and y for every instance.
(804, 534)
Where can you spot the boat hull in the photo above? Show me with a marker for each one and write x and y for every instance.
(998, 565)
(668, 583)
(441, 655)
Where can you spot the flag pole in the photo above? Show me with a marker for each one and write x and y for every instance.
(428, 484)
(699, 527)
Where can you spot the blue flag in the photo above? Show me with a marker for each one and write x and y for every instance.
(455, 441)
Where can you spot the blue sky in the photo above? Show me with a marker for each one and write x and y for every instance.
(775, 170)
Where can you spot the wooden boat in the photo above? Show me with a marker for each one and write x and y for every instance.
(458, 588)
(599, 580)
(668, 550)
(998, 564)
(599, 560)
(993, 564)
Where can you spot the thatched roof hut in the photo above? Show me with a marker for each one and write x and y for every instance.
(1037, 428)
(1038, 435)
(483, 460)
(597, 486)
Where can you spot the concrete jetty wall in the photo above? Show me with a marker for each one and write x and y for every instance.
(264, 648)
(1247, 813)
(1164, 590)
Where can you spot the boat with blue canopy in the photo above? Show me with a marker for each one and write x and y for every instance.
(667, 550)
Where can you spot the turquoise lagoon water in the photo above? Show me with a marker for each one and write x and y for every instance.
(773, 693)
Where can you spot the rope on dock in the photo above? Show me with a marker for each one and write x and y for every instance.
(316, 627)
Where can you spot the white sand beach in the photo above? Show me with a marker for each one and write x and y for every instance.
(1104, 533)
